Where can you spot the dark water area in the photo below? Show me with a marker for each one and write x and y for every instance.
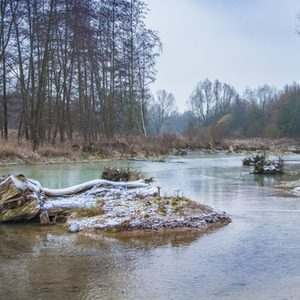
(257, 256)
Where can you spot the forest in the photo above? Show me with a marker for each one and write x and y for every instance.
(84, 68)
(75, 67)
(219, 109)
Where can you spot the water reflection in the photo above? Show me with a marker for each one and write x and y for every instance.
(255, 257)
(45, 261)
(144, 239)
(267, 180)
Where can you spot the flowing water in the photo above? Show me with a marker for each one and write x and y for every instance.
(257, 256)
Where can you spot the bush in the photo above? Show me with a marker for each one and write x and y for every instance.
(115, 174)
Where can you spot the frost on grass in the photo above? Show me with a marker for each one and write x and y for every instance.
(103, 205)
(125, 211)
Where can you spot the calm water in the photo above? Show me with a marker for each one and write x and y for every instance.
(257, 256)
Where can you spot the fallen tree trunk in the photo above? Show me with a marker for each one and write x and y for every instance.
(90, 184)
(24, 199)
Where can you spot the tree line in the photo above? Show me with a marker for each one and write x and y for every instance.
(84, 67)
(264, 111)
(75, 66)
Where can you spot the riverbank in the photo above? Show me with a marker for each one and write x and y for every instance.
(134, 147)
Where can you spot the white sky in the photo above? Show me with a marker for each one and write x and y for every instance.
(240, 42)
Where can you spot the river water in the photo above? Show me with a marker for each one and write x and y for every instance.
(257, 256)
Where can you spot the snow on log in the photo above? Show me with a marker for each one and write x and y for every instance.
(90, 184)
(102, 205)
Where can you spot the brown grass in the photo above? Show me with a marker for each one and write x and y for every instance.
(12, 151)
(96, 210)
(132, 146)
(55, 151)
(136, 145)
(254, 144)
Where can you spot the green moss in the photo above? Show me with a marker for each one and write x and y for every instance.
(114, 230)
(177, 200)
(161, 208)
(182, 199)
(174, 201)
(185, 199)
(177, 208)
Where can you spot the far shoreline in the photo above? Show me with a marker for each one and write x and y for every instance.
(12, 154)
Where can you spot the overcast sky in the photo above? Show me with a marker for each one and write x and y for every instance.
(240, 42)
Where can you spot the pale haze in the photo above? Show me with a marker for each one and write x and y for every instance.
(242, 42)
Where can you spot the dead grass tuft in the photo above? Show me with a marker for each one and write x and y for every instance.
(55, 151)
(121, 174)
(96, 210)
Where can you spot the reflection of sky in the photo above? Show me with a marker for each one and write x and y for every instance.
(254, 257)
(241, 42)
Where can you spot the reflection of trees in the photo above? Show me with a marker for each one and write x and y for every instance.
(142, 239)
(267, 180)
(38, 264)
(47, 263)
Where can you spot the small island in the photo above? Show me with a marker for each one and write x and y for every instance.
(263, 165)
(102, 205)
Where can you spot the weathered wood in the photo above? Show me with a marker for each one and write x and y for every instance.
(19, 198)
(23, 199)
(44, 218)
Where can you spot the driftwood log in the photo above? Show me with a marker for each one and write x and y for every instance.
(23, 199)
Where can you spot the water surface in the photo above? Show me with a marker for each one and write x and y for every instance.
(254, 257)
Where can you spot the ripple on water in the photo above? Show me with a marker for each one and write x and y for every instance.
(254, 257)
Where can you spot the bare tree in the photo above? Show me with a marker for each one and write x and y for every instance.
(76, 65)
(7, 12)
(163, 107)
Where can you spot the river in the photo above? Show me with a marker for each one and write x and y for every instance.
(257, 256)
